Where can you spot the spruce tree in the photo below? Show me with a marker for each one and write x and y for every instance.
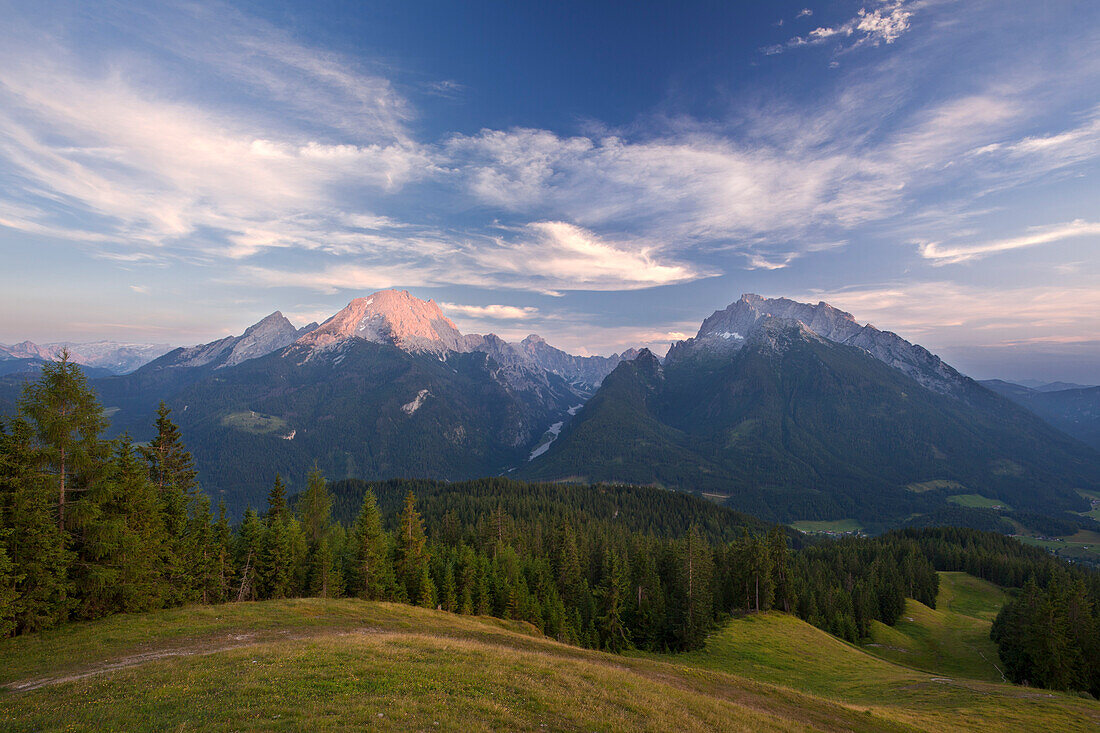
(172, 471)
(411, 552)
(249, 544)
(68, 420)
(326, 579)
(276, 501)
(9, 579)
(315, 507)
(371, 574)
(36, 545)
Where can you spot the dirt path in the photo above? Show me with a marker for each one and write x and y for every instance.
(197, 649)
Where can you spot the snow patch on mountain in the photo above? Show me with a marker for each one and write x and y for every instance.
(410, 407)
(551, 435)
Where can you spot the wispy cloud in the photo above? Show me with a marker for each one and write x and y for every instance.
(117, 157)
(942, 313)
(944, 254)
(492, 312)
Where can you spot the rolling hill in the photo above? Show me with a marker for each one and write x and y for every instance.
(348, 665)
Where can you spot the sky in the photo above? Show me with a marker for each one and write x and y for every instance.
(605, 174)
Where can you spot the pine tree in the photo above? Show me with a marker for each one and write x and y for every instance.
(610, 595)
(781, 568)
(324, 573)
(9, 579)
(411, 552)
(273, 566)
(119, 535)
(371, 574)
(68, 420)
(276, 501)
(249, 543)
(570, 578)
(172, 471)
(221, 539)
(448, 595)
(696, 568)
(425, 592)
(315, 507)
(36, 545)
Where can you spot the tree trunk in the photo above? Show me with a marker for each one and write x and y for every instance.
(61, 498)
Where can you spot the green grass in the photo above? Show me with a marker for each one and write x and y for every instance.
(322, 665)
(780, 649)
(977, 501)
(952, 639)
(923, 486)
(833, 525)
(1094, 513)
(1084, 545)
(351, 665)
(254, 422)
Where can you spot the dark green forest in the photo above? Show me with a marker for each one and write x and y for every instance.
(91, 527)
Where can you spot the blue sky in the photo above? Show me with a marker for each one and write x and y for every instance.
(604, 174)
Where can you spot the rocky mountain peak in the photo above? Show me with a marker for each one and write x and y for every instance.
(391, 317)
(727, 330)
(269, 334)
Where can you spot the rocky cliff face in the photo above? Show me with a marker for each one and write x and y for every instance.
(727, 331)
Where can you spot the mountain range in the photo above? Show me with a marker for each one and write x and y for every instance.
(388, 386)
(782, 409)
(794, 411)
(98, 357)
(1072, 408)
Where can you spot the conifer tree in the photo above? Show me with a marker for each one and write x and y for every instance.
(696, 567)
(249, 544)
(119, 532)
(325, 575)
(276, 501)
(570, 579)
(371, 574)
(611, 593)
(172, 471)
(425, 591)
(315, 507)
(198, 547)
(274, 571)
(36, 545)
(68, 420)
(781, 568)
(411, 553)
(221, 540)
(9, 579)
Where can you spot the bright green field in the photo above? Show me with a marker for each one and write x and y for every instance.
(977, 501)
(352, 665)
(836, 525)
(923, 486)
(952, 639)
(1084, 545)
(254, 422)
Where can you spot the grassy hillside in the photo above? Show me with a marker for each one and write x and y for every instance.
(781, 650)
(347, 665)
(952, 639)
(350, 665)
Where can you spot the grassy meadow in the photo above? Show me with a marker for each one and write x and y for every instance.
(353, 665)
